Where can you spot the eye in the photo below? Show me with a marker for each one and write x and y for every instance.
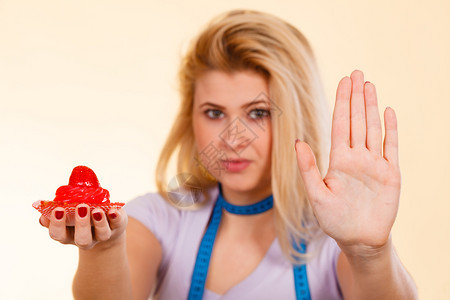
(214, 113)
(259, 113)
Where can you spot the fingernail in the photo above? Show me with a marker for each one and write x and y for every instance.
(97, 216)
(59, 214)
(82, 211)
(113, 215)
(295, 144)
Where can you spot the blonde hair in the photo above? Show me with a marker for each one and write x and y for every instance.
(250, 40)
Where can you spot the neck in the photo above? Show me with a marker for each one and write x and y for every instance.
(247, 227)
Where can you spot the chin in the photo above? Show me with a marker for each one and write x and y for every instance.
(238, 183)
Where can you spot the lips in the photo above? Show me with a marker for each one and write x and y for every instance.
(235, 165)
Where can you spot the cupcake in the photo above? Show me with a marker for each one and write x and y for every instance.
(83, 187)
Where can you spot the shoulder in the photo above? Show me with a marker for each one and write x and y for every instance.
(324, 249)
(147, 207)
(322, 268)
(178, 232)
(162, 217)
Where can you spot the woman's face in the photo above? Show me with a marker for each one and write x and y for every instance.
(232, 128)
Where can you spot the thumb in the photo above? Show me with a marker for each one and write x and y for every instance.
(44, 221)
(314, 185)
(117, 218)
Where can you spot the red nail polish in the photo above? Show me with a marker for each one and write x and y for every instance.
(113, 215)
(82, 211)
(97, 216)
(59, 214)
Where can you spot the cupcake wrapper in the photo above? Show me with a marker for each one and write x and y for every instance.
(46, 208)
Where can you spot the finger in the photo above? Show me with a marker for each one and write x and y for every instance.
(340, 130)
(44, 221)
(57, 226)
(357, 110)
(390, 146)
(117, 219)
(101, 226)
(83, 232)
(314, 185)
(374, 133)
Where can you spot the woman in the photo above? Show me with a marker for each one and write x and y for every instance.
(270, 222)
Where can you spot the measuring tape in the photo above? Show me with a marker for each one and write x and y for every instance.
(204, 253)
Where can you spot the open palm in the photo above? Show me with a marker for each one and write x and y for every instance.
(357, 201)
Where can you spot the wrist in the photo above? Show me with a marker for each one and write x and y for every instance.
(368, 258)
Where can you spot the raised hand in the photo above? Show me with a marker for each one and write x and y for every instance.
(357, 201)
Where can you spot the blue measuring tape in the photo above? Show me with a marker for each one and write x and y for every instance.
(204, 253)
(300, 277)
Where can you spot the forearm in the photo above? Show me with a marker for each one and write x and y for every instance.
(103, 272)
(380, 275)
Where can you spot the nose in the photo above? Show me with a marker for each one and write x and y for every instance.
(236, 136)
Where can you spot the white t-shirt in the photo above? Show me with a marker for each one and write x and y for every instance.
(180, 233)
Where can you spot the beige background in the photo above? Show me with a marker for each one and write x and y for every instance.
(93, 82)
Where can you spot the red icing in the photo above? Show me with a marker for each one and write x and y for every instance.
(83, 187)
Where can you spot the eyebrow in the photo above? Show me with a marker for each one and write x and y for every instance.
(246, 105)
